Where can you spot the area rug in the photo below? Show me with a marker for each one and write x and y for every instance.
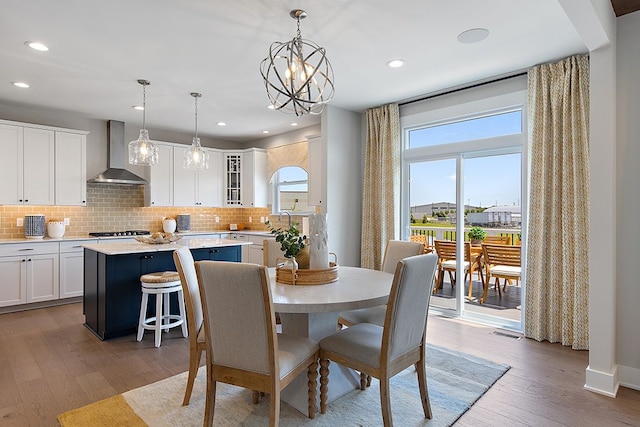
(455, 381)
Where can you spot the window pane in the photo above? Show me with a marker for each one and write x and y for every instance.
(466, 130)
(292, 173)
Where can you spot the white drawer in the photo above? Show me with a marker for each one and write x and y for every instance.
(36, 248)
(75, 245)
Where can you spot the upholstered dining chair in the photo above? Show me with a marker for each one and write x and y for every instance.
(501, 262)
(197, 338)
(382, 352)
(243, 347)
(271, 251)
(394, 252)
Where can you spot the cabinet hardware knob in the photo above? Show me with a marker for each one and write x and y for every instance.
(26, 249)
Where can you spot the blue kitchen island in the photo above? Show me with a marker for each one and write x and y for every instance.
(112, 273)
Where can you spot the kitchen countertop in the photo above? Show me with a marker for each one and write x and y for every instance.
(121, 248)
(109, 238)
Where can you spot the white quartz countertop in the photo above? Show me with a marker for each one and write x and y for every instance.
(123, 248)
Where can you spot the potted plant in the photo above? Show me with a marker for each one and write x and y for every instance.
(291, 241)
(476, 235)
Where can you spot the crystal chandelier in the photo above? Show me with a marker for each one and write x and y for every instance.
(195, 157)
(142, 151)
(297, 74)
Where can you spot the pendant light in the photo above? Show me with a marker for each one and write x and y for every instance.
(142, 151)
(297, 74)
(196, 158)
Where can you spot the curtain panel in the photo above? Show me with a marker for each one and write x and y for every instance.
(381, 187)
(557, 273)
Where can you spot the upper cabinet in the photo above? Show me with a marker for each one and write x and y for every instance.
(246, 178)
(159, 191)
(197, 188)
(71, 169)
(42, 165)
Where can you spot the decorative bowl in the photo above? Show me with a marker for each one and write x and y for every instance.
(158, 238)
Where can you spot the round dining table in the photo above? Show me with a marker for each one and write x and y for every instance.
(312, 311)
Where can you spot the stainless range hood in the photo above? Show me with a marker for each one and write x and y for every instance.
(117, 153)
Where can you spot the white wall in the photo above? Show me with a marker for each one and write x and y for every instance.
(628, 200)
(343, 141)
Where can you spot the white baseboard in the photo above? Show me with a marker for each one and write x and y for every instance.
(629, 377)
(605, 383)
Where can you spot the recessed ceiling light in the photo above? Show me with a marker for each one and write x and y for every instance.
(395, 63)
(221, 124)
(20, 84)
(37, 46)
(271, 107)
(294, 124)
(137, 107)
(473, 35)
(265, 131)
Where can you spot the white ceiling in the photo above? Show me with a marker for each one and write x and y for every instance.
(98, 49)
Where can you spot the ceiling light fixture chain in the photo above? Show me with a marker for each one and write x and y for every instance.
(143, 151)
(195, 157)
(296, 82)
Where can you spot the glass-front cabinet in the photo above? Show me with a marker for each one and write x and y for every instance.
(233, 167)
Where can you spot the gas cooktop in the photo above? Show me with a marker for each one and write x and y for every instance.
(119, 233)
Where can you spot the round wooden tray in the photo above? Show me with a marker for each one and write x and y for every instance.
(305, 277)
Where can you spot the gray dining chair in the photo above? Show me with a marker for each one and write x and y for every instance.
(243, 347)
(382, 352)
(394, 252)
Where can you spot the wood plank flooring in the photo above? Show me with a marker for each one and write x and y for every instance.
(50, 363)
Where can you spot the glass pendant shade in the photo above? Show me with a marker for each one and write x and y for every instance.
(143, 151)
(297, 74)
(196, 157)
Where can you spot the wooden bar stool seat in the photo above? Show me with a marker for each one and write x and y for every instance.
(162, 285)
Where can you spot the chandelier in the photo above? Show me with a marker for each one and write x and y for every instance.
(195, 157)
(142, 151)
(297, 74)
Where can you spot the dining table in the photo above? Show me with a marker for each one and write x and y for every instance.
(312, 311)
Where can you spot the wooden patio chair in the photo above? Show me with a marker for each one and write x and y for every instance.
(446, 251)
(497, 240)
(422, 239)
(501, 262)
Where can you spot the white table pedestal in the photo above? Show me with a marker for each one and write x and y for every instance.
(341, 380)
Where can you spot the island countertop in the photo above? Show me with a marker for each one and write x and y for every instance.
(122, 248)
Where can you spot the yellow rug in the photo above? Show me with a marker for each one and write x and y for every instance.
(114, 411)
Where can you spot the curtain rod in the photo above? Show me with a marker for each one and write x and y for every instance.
(424, 98)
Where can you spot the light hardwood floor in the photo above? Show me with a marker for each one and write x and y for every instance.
(50, 363)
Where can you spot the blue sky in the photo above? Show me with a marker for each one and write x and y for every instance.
(488, 181)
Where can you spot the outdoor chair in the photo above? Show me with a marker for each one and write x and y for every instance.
(501, 262)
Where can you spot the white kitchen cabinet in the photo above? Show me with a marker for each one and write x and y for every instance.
(256, 254)
(316, 170)
(72, 268)
(254, 178)
(197, 188)
(27, 166)
(245, 248)
(246, 178)
(29, 273)
(70, 169)
(159, 191)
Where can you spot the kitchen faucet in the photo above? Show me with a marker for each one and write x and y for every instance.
(288, 214)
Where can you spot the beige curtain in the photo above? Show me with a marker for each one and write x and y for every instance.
(557, 252)
(380, 210)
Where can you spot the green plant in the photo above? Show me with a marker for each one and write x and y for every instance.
(477, 233)
(290, 239)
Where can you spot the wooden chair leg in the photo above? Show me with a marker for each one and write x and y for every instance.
(312, 376)
(194, 363)
(274, 407)
(255, 397)
(385, 401)
(424, 391)
(210, 400)
(324, 381)
(363, 380)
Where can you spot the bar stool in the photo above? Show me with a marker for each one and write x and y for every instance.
(162, 285)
